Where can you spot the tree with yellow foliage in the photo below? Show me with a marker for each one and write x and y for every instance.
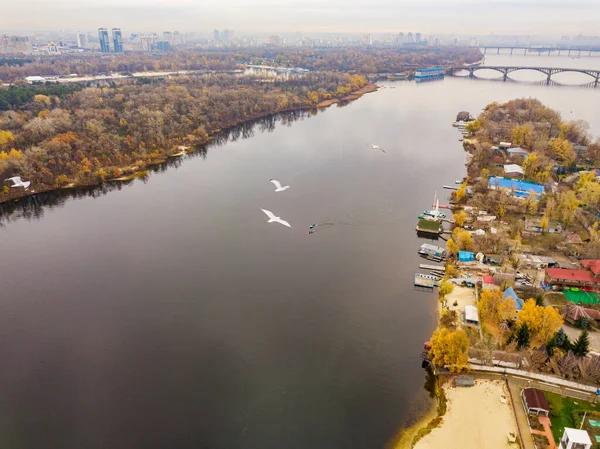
(451, 248)
(459, 218)
(462, 238)
(461, 192)
(523, 135)
(567, 205)
(544, 223)
(488, 304)
(543, 321)
(446, 287)
(562, 149)
(450, 348)
(6, 139)
(44, 99)
(473, 126)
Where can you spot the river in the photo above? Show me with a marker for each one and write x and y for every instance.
(168, 313)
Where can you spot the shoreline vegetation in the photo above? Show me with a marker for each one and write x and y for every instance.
(83, 134)
(143, 131)
(526, 141)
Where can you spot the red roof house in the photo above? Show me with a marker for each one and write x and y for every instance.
(593, 265)
(572, 278)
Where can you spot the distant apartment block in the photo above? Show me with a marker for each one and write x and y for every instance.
(14, 44)
(117, 40)
(103, 39)
(81, 40)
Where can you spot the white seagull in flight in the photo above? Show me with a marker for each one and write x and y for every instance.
(16, 180)
(273, 218)
(377, 147)
(279, 188)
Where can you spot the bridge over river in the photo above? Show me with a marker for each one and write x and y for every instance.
(506, 70)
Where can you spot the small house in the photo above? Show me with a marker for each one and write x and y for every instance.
(517, 153)
(487, 282)
(575, 439)
(580, 150)
(535, 225)
(504, 145)
(510, 293)
(513, 171)
(535, 402)
(504, 280)
(471, 315)
(494, 259)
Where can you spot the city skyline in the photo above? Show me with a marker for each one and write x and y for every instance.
(317, 16)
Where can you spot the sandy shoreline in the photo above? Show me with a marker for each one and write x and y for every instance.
(479, 417)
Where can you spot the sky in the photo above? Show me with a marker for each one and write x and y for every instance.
(464, 17)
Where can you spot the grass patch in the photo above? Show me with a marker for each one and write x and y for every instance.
(563, 411)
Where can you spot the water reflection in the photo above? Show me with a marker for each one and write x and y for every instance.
(32, 207)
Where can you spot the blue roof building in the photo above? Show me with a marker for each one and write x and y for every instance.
(522, 189)
(510, 293)
(466, 256)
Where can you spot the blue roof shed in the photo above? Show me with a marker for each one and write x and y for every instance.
(466, 256)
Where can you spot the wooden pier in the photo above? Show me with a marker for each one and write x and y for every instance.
(450, 188)
(424, 282)
(425, 266)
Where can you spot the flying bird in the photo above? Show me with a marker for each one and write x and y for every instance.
(377, 147)
(16, 180)
(279, 188)
(273, 218)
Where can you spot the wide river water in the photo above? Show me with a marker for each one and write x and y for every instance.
(169, 314)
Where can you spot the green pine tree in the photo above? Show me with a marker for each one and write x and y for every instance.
(523, 336)
(582, 345)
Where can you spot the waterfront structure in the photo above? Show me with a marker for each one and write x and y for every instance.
(117, 40)
(428, 249)
(104, 42)
(535, 402)
(81, 40)
(430, 72)
(575, 439)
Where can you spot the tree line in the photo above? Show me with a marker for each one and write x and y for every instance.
(93, 134)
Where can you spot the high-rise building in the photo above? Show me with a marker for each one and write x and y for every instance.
(216, 36)
(275, 40)
(103, 38)
(401, 38)
(168, 37)
(409, 37)
(81, 40)
(225, 35)
(117, 40)
(418, 37)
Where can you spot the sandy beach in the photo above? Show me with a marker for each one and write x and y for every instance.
(476, 419)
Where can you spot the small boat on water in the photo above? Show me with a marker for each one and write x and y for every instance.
(428, 249)
(434, 213)
(397, 76)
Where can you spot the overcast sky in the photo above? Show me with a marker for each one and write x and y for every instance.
(465, 17)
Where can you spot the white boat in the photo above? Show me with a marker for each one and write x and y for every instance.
(435, 213)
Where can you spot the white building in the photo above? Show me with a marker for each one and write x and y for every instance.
(575, 439)
(81, 40)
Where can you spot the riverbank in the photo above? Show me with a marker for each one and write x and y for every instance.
(141, 169)
(477, 417)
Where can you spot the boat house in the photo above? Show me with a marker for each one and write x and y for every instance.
(519, 189)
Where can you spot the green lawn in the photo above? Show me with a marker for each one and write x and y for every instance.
(561, 412)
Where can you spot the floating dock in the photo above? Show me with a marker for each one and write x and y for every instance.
(429, 226)
(423, 283)
(450, 188)
(425, 266)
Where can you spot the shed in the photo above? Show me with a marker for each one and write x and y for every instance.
(464, 381)
(466, 256)
(504, 145)
(510, 293)
(513, 170)
(471, 315)
(517, 153)
(535, 401)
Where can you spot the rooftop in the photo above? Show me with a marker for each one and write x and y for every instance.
(565, 274)
(592, 264)
(536, 399)
(577, 436)
(510, 293)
